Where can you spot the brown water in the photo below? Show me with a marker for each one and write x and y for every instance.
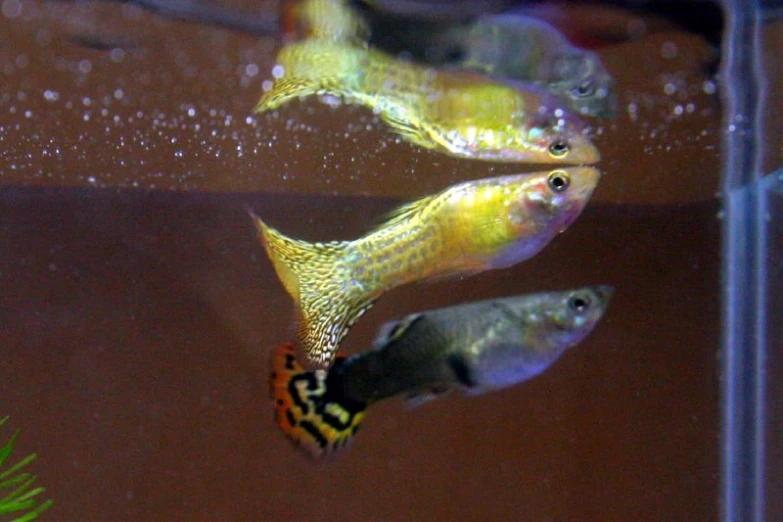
(136, 326)
(137, 307)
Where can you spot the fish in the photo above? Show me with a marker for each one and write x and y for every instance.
(462, 114)
(470, 227)
(521, 48)
(476, 347)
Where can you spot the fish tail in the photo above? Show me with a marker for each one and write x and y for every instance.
(312, 68)
(309, 406)
(318, 280)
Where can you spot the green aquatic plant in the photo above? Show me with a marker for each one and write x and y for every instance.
(18, 497)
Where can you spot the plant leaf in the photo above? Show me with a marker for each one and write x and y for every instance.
(22, 497)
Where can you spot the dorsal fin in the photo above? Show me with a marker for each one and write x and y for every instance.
(393, 330)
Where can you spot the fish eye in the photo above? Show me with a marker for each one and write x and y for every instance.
(579, 303)
(558, 180)
(584, 89)
(559, 148)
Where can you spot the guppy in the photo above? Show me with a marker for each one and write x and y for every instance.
(522, 48)
(467, 228)
(455, 112)
(478, 347)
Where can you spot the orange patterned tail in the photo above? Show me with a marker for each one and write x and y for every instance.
(308, 405)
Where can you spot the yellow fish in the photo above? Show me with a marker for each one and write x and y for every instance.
(455, 112)
(470, 227)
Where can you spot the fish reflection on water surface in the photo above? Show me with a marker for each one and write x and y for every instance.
(468, 228)
(522, 48)
(454, 112)
(477, 347)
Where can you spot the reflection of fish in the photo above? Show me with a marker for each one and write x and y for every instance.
(468, 228)
(462, 114)
(523, 48)
(17, 494)
(326, 19)
(478, 347)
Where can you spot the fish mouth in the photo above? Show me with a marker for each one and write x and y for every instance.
(583, 151)
(584, 181)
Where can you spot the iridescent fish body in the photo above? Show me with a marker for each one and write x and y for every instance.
(462, 114)
(518, 47)
(476, 347)
(470, 227)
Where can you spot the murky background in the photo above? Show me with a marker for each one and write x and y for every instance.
(138, 308)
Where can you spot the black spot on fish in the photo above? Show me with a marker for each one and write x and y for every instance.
(335, 391)
(290, 417)
(461, 370)
(290, 361)
(280, 402)
(310, 428)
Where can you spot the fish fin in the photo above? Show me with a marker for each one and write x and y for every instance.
(406, 212)
(419, 397)
(309, 407)
(332, 20)
(313, 67)
(318, 281)
(403, 125)
(285, 90)
(393, 330)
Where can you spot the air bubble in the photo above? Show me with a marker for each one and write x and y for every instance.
(117, 54)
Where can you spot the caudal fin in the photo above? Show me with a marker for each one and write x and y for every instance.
(312, 67)
(319, 281)
(309, 407)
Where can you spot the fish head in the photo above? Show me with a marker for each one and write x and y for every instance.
(568, 317)
(585, 84)
(555, 135)
(539, 206)
(537, 330)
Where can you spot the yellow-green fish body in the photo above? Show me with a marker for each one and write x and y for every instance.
(477, 347)
(458, 113)
(468, 228)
